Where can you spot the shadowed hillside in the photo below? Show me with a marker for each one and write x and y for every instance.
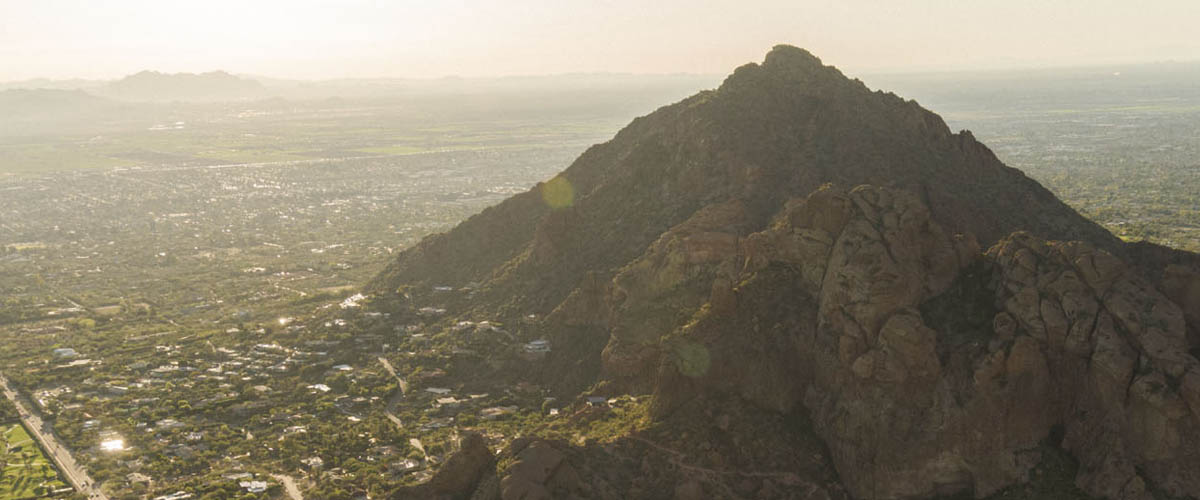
(877, 305)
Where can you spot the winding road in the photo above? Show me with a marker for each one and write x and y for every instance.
(399, 381)
(44, 434)
(396, 397)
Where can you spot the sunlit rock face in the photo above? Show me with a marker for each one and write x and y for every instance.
(795, 254)
(930, 367)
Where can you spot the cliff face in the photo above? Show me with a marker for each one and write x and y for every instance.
(801, 248)
(929, 367)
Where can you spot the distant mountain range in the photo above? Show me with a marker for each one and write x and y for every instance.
(189, 87)
(34, 111)
(69, 106)
(217, 86)
(153, 86)
(47, 107)
(30, 101)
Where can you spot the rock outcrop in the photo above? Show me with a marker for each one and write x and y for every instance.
(459, 477)
(933, 368)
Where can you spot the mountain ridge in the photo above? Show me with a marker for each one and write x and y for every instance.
(803, 248)
(733, 112)
(154, 86)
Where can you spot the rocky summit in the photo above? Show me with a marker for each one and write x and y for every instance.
(824, 293)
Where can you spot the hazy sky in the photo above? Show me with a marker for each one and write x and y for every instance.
(398, 38)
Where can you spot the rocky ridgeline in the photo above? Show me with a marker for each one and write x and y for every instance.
(793, 259)
(929, 367)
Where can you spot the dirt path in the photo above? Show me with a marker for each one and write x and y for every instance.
(289, 485)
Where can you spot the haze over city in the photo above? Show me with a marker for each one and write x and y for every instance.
(599, 250)
(309, 39)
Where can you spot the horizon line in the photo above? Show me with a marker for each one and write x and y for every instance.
(876, 71)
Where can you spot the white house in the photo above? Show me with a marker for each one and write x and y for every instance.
(538, 346)
(254, 486)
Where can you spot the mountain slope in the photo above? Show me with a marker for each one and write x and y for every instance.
(771, 131)
(794, 259)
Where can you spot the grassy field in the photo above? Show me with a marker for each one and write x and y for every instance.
(27, 472)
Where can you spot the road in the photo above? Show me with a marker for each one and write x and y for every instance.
(388, 366)
(289, 485)
(42, 432)
(395, 420)
(396, 397)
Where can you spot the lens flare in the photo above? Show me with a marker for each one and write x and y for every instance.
(115, 444)
(558, 193)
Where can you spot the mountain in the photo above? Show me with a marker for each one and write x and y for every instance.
(24, 102)
(188, 87)
(825, 293)
(48, 84)
(33, 111)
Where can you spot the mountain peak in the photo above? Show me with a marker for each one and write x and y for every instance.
(773, 131)
(794, 70)
(790, 56)
(719, 250)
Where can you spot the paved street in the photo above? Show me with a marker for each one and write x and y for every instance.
(41, 431)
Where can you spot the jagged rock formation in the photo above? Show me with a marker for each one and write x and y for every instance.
(717, 461)
(818, 252)
(458, 478)
(931, 368)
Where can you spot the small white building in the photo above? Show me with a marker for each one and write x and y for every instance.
(254, 486)
(538, 346)
(446, 402)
